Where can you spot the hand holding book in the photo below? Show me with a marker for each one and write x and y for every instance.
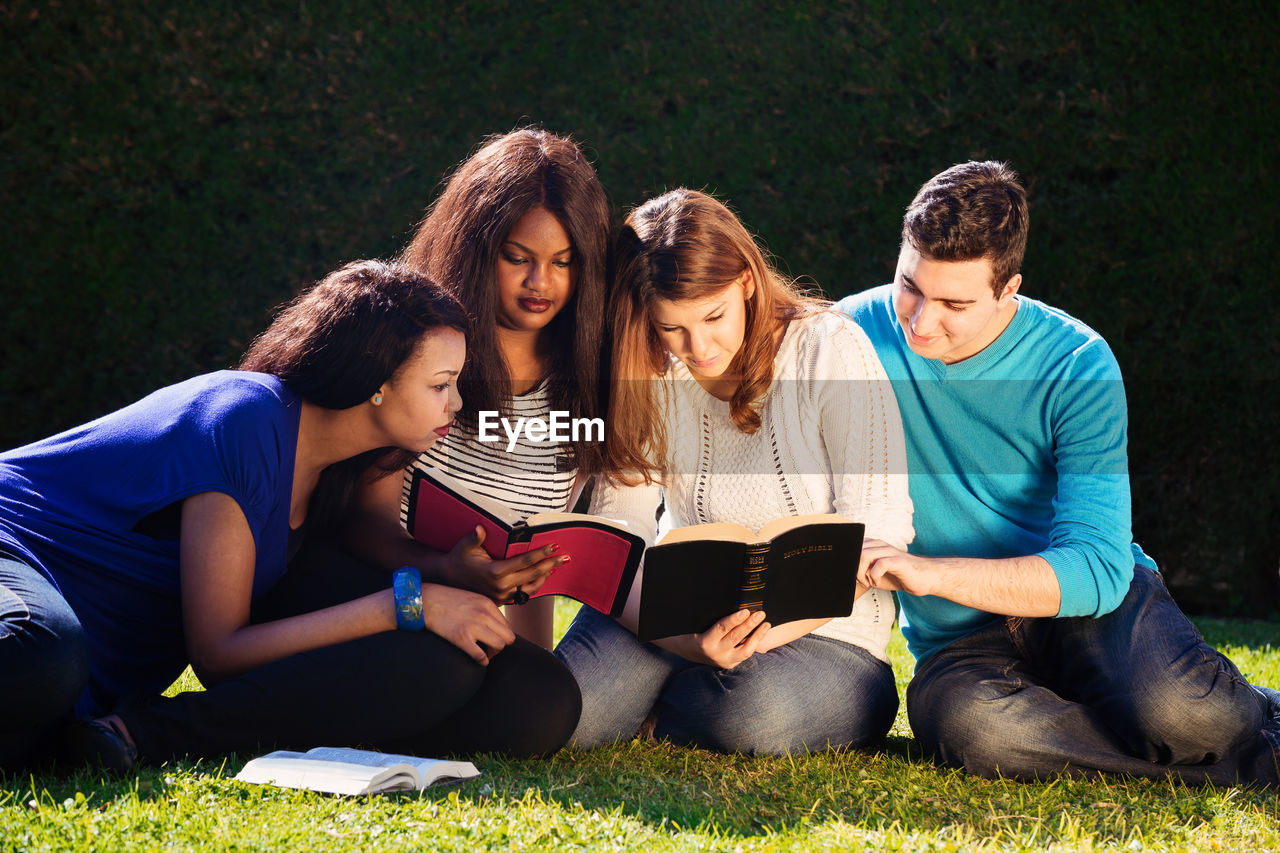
(471, 566)
(727, 643)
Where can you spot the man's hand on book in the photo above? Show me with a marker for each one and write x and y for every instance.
(471, 567)
(730, 641)
(469, 620)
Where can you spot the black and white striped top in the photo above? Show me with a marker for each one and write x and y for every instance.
(532, 477)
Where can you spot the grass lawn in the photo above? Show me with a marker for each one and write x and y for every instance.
(644, 796)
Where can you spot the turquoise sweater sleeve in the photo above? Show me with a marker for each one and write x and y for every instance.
(1090, 538)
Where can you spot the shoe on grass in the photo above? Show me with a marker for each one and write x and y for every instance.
(98, 743)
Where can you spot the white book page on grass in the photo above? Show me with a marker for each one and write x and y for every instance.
(428, 768)
(334, 777)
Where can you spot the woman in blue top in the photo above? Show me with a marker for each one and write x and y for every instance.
(137, 543)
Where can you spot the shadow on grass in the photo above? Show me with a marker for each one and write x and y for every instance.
(671, 790)
(895, 787)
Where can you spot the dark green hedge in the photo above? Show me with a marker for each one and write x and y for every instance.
(171, 175)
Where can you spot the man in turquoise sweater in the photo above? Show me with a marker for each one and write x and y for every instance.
(1045, 640)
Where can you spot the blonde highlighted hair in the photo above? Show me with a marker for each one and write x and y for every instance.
(685, 245)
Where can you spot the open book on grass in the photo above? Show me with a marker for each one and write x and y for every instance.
(337, 770)
(799, 567)
(439, 511)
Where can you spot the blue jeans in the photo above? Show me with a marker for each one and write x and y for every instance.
(811, 694)
(44, 662)
(1137, 692)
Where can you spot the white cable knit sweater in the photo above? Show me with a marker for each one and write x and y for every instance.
(830, 441)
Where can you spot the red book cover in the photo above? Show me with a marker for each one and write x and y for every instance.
(440, 511)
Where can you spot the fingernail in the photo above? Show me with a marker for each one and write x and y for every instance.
(554, 546)
(566, 558)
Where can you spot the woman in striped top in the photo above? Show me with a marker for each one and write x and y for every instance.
(519, 234)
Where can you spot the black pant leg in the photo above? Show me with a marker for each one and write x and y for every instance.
(366, 692)
(528, 706)
(397, 691)
(523, 676)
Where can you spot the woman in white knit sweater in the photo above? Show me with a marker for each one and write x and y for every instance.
(736, 398)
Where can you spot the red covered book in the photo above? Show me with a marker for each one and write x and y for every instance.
(440, 511)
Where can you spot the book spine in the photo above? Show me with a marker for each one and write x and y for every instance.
(753, 576)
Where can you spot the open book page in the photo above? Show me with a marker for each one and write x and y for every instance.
(508, 515)
(337, 770)
(781, 525)
(723, 531)
(296, 770)
(428, 769)
(540, 519)
(728, 532)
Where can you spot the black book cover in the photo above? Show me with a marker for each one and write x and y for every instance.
(808, 572)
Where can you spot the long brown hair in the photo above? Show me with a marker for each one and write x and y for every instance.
(685, 245)
(458, 242)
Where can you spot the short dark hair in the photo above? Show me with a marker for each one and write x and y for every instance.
(458, 242)
(338, 341)
(972, 210)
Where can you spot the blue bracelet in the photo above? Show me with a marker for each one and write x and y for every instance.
(406, 584)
